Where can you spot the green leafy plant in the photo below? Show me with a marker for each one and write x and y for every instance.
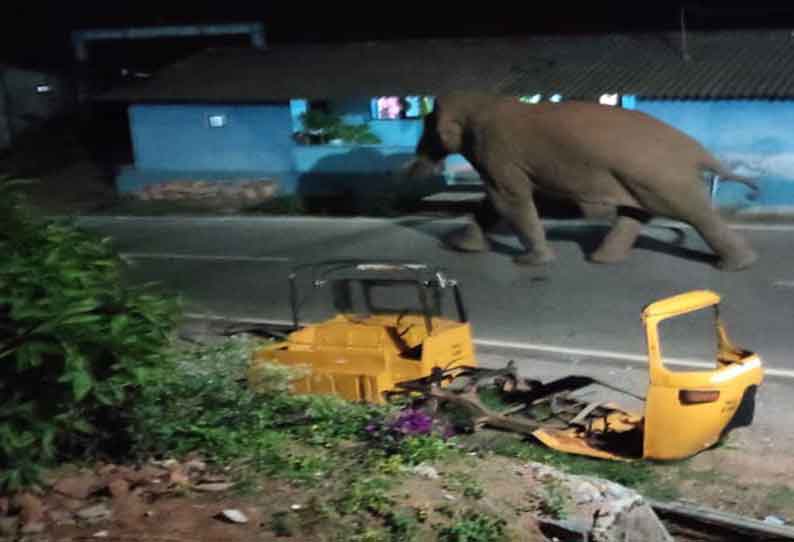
(77, 346)
(465, 484)
(203, 402)
(328, 127)
(555, 500)
(474, 527)
(636, 474)
(367, 494)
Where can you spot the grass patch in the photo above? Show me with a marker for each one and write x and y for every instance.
(474, 527)
(464, 484)
(780, 498)
(631, 474)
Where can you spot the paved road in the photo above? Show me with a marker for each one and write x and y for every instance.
(237, 268)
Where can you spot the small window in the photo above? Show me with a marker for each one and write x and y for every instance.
(531, 98)
(691, 336)
(401, 107)
(217, 121)
(609, 99)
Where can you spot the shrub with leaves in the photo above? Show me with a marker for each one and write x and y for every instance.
(474, 527)
(76, 345)
(411, 433)
(203, 402)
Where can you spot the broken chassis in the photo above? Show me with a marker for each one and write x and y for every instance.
(534, 407)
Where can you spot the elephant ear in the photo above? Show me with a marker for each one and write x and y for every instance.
(450, 132)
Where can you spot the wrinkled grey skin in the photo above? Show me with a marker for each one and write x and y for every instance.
(612, 162)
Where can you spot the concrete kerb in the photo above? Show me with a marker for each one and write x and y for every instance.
(452, 221)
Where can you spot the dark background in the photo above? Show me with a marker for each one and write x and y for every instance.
(37, 33)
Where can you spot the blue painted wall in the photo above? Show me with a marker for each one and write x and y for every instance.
(752, 137)
(179, 138)
(176, 141)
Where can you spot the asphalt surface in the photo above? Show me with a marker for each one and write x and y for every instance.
(237, 268)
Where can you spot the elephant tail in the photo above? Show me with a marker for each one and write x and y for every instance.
(717, 168)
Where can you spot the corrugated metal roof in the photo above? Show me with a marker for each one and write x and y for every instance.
(729, 64)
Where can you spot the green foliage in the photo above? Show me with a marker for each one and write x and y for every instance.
(555, 500)
(329, 126)
(465, 484)
(367, 495)
(424, 448)
(474, 527)
(76, 345)
(632, 474)
(203, 403)
(402, 527)
(780, 497)
(359, 134)
(317, 120)
(425, 106)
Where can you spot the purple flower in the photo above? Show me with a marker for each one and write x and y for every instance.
(412, 422)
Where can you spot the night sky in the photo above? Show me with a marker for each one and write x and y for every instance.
(38, 32)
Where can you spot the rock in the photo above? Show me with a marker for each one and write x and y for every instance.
(101, 534)
(106, 470)
(119, 488)
(35, 527)
(61, 517)
(178, 476)
(5, 505)
(147, 474)
(78, 487)
(628, 518)
(540, 471)
(234, 516)
(9, 527)
(213, 487)
(196, 465)
(165, 464)
(426, 471)
(31, 509)
(611, 512)
(586, 492)
(128, 510)
(96, 513)
(617, 491)
(56, 501)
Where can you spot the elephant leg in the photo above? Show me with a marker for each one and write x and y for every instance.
(618, 242)
(734, 252)
(471, 237)
(518, 208)
(694, 207)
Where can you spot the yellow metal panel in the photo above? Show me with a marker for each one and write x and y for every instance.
(680, 304)
(572, 442)
(674, 430)
(361, 357)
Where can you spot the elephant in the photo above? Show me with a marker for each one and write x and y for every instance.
(611, 162)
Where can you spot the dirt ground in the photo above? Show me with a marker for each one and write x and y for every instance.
(165, 504)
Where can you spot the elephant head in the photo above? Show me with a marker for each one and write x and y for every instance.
(445, 132)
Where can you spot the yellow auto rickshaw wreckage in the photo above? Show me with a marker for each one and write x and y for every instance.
(394, 332)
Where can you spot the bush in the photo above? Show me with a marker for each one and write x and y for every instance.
(202, 402)
(329, 126)
(76, 346)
